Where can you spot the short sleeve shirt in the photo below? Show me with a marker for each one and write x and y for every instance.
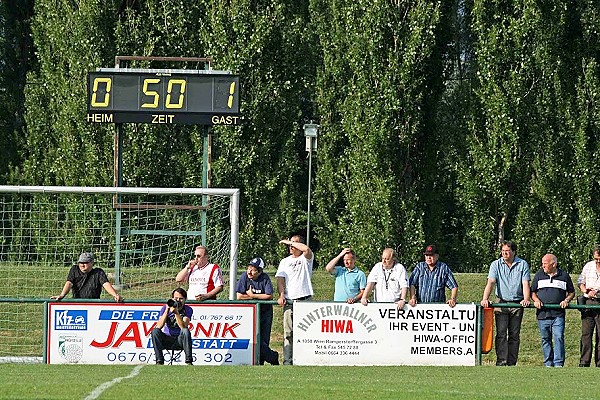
(348, 283)
(203, 280)
(86, 286)
(551, 290)
(388, 283)
(431, 284)
(297, 272)
(590, 276)
(509, 280)
(171, 328)
(262, 285)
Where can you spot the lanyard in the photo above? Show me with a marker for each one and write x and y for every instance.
(386, 277)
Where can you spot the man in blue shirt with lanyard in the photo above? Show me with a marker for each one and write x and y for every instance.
(350, 281)
(429, 280)
(510, 275)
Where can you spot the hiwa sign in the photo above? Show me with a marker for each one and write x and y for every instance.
(380, 334)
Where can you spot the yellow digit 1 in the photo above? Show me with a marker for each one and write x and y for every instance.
(151, 93)
(97, 82)
(231, 92)
(181, 84)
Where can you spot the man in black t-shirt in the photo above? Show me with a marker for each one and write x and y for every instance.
(86, 281)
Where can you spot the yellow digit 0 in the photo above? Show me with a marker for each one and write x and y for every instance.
(179, 104)
(151, 93)
(97, 82)
(231, 92)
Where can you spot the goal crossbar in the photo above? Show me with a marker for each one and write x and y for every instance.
(234, 195)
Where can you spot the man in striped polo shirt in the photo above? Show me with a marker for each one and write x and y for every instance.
(552, 285)
(429, 280)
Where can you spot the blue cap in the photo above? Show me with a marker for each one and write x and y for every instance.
(257, 262)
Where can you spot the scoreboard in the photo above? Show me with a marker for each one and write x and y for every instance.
(163, 97)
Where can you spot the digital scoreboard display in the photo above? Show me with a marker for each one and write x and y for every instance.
(163, 97)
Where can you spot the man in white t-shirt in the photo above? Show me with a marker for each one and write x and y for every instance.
(294, 283)
(205, 279)
(389, 279)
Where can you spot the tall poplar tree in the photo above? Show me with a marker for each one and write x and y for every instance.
(527, 138)
(377, 91)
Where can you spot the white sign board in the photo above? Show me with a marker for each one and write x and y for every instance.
(379, 334)
(119, 333)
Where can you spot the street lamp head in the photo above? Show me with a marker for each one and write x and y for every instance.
(311, 130)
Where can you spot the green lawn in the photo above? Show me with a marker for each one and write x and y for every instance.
(269, 382)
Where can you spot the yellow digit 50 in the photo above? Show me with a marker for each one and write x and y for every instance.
(156, 96)
(97, 82)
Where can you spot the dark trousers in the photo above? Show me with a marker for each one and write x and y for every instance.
(266, 322)
(508, 332)
(590, 320)
(162, 341)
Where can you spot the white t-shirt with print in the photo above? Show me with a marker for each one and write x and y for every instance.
(297, 272)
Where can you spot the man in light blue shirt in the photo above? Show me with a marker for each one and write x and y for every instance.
(350, 282)
(510, 275)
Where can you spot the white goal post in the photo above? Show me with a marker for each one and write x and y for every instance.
(147, 220)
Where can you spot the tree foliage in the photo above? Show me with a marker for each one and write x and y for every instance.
(455, 122)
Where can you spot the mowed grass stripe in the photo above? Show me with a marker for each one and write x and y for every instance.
(295, 382)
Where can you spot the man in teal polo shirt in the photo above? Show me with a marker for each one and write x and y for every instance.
(350, 282)
(510, 275)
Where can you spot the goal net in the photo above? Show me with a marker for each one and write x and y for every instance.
(141, 237)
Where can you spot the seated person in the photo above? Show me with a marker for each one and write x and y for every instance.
(171, 332)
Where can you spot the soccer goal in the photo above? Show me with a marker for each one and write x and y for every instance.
(141, 237)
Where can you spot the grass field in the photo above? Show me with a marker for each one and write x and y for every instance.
(528, 380)
(294, 382)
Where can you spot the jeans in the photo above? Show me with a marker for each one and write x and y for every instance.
(508, 332)
(590, 320)
(161, 341)
(553, 329)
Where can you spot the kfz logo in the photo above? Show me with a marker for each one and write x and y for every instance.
(70, 320)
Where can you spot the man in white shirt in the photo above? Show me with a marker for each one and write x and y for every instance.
(294, 284)
(205, 279)
(389, 279)
(589, 283)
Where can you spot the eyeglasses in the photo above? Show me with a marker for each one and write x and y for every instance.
(597, 260)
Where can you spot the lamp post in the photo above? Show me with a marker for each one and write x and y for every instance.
(310, 133)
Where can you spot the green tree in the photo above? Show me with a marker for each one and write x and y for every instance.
(271, 46)
(377, 95)
(528, 128)
(16, 50)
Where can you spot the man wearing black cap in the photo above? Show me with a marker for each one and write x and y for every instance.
(86, 281)
(429, 280)
(255, 284)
